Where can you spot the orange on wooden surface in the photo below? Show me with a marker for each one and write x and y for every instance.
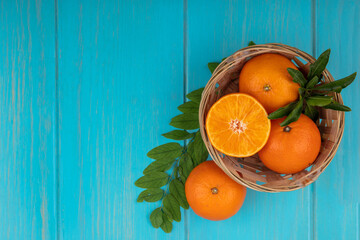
(237, 125)
(212, 194)
(292, 148)
(265, 77)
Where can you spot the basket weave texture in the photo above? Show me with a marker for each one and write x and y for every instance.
(250, 171)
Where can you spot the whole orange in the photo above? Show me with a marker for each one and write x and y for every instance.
(292, 148)
(212, 194)
(265, 77)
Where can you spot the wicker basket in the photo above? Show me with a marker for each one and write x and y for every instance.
(250, 171)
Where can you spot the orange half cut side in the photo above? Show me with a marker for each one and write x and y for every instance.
(237, 125)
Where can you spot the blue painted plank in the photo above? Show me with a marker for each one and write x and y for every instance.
(120, 81)
(107, 123)
(27, 94)
(216, 29)
(337, 189)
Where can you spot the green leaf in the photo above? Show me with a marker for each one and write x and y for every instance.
(337, 89)
(186, 165)
(315, 94)
(319, 65)
(151, 195)
(178, 135)
(212, 66)
(159, 166)
(319, 101)
(152, 180)
(297, 76)
(197, 150)
(189, 107)
(311, 112)
(283, 111)
(177, 189)
(156, 218)
(176, 172)
(337, 85)
(301, 91)
(166, 225)
(195, 96)
(182, 177)
(294, 114)
(168, 150)
(251, 43)
(187, 121)
(172, 207)
(337, 106)
(312, 82)
(167, 216)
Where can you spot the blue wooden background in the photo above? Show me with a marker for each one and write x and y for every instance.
(87, 87)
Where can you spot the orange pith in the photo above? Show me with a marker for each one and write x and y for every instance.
(237, 125)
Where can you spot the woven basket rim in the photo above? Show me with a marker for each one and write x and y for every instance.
(232, 62)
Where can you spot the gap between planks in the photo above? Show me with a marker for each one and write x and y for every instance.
(56, 129)
(185, 91)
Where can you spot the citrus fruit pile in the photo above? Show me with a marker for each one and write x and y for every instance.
(272, 117)
(237, 125)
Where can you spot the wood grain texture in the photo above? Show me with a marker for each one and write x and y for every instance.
(120, 81)
(121, 77)
(27, 182)
(216, 29)
(337, 189)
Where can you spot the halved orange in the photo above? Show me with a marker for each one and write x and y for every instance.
(237, 125)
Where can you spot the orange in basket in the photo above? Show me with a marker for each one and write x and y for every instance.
(292, 148)
(265, 77)
(237, 125)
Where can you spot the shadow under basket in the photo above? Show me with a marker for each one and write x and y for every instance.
(250, 171)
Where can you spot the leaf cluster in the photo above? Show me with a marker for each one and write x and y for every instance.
(180, 159)
(313, 92)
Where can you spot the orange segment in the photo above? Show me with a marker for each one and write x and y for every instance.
(237, 125)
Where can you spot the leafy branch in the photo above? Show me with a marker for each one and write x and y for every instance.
(313, 93)
(181, 159)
